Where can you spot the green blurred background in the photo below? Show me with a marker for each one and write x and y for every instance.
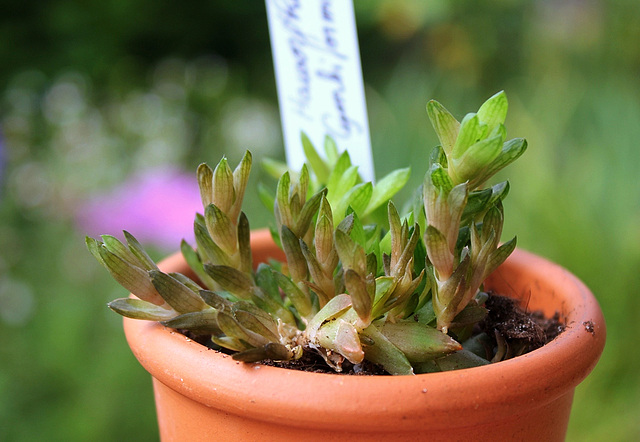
(95, 93)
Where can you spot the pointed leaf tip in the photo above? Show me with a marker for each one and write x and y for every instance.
(494, 111)
(445, 125)
(318, 165)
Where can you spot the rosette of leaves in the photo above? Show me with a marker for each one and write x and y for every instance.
(342, 182)
(402, 293)
(464, 221)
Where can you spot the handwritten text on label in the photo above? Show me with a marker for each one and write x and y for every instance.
(319, 78)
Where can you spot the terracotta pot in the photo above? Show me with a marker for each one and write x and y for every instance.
(204, 395)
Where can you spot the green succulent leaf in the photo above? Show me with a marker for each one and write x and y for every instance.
(419, 342)
(358, 234)
(372, 264)
(479, 201)
(493, 112)
(357, 198)
(407, 252)
(244, 244)
(331, 150)
(381, 351)
(438, 156)
(188, 282)
(298, 298)
(395, 230)
(426, 367)
(176, 294)
(438, 177)
(224, 193)
(316, 272)
(511, 151)
(456, 201)
(260, 314)
(301, 186)
(346, 225)
(295, 258)
(476, 159)
(385, 285)
(476, 242)
(272, 306)
(240, 181)
(499, 192)
(425, 315)
(202, 322)
(439, 252)
(233, 280)
(459, 360)
(271, 350)
(351, 254)
(479, 345)
(500, 255)
(339, 174)
(216, 301)
(267, 282)
(139, 309)
(342, 337)
(132, 278)
(257, 324)
(471, 314)
(499, 130)
(138, 251)
(325, 249)
(93, 245)
(445, 125)
(221, 228)
(205, 183)
(116, 247)
(448, 298)
(209, 250)
(471, 131)
(492, 222)
(282, 207)
(336, 306)
(361, 294)
(232, 328)
(419, 255)
(318, 165)
(308, 212)
(386, 188)
(345, 183)
(230, 343)
(476, 202)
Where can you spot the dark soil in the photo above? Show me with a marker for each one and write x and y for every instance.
(514, 331)
(511, 331)
(313, 362)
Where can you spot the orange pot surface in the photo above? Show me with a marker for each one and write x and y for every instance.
(202, 394)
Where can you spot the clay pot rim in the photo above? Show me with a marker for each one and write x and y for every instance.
(370, 402)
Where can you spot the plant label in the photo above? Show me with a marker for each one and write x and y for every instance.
(319, 78)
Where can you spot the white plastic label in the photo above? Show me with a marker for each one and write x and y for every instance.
(319, 78)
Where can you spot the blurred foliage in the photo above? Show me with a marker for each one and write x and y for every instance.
(89, 91)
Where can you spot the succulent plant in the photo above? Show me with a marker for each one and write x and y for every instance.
(399, 290)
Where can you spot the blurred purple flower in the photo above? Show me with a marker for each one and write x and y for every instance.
(157, 208)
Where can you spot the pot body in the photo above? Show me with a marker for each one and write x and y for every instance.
(204, 395)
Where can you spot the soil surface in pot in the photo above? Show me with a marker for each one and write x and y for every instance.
(515, 331)
(511, 332)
